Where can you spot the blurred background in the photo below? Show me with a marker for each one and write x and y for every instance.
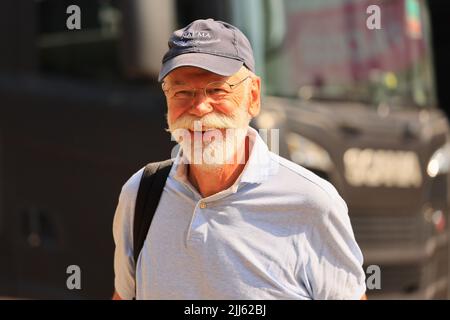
(81, 111)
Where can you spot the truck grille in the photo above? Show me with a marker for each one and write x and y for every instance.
(386, 229)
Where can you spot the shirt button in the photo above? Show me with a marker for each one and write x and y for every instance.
(202, 205)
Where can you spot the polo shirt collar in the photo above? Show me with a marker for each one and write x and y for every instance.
(259, 165)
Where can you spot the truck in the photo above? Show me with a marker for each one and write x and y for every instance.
(355, 102)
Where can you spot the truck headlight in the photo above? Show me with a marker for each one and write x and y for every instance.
(308, 153)
(439, 162)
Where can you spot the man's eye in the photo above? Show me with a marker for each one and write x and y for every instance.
(183, 94)
(217, 92)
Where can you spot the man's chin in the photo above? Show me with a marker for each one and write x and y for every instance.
(212, 148)
(205, 160)
(208, 132)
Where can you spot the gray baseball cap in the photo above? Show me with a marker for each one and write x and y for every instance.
(213, 45)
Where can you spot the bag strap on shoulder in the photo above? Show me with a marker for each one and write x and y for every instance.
(150, 189)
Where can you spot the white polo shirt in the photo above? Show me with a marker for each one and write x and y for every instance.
(279, 232)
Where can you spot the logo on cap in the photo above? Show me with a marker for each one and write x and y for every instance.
(193, 38)
(198, 34)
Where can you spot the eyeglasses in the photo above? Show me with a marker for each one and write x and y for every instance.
(216, 91)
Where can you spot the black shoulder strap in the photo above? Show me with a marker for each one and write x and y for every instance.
(150, 190)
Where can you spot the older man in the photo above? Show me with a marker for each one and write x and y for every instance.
(234, 220)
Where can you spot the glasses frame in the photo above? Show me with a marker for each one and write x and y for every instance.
(194, 90)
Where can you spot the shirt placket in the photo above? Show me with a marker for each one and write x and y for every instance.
(198, 228)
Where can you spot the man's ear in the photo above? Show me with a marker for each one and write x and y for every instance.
(255, 97)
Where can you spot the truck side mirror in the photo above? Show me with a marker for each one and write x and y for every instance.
(146, 27)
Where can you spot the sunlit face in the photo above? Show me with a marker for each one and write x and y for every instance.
(206, 115)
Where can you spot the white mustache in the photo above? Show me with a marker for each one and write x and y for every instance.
(211, 120)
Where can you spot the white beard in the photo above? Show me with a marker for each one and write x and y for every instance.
(222, 143)
(220, 148)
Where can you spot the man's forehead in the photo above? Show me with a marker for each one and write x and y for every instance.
(186, 73)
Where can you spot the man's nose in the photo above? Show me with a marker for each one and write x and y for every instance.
(200, 105)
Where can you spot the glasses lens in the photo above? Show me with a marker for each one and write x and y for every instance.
(217, 90)
(182, 92)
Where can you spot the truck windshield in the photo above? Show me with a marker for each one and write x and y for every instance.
(326, 49)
